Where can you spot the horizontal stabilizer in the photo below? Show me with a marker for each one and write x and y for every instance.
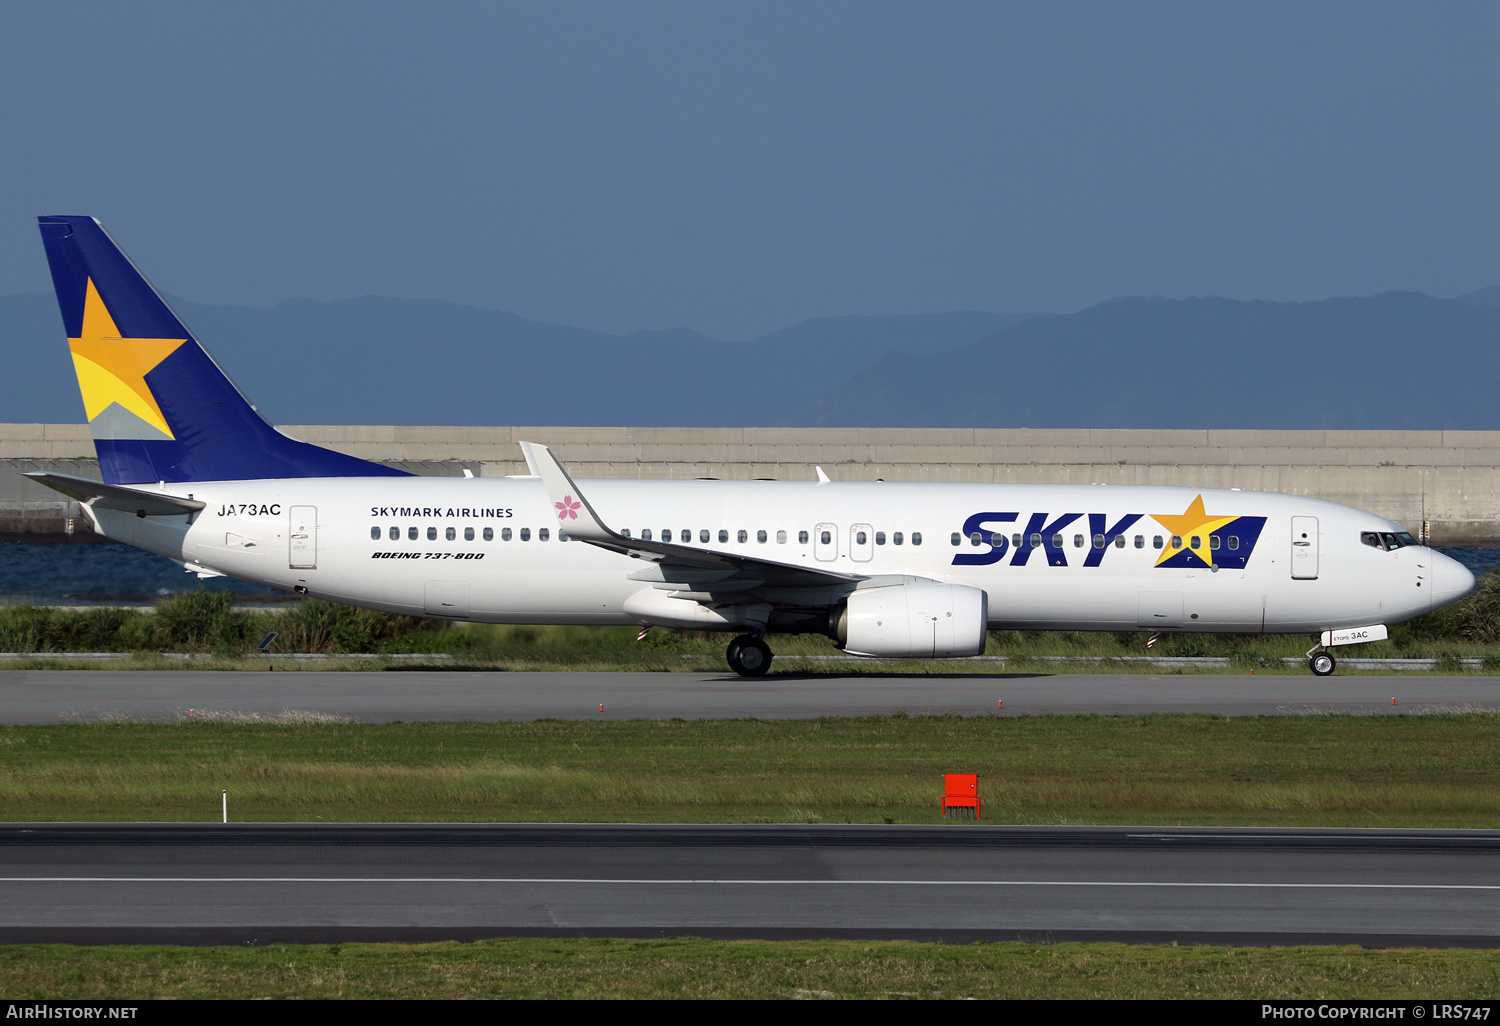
(117, 497)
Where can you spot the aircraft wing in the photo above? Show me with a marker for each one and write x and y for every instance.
(117, 497)
(704, 575)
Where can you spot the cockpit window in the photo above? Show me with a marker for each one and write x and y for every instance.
(1387, 540)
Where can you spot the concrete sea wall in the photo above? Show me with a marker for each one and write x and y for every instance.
(1449, 479)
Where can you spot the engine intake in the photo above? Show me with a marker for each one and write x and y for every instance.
(910, 621)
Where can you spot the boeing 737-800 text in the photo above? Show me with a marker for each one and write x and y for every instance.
(192, 472)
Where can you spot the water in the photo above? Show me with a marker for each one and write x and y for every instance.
(1479, 561)
(103, 572)
(106, 572)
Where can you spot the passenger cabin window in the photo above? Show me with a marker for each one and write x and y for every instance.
(394, 533)
(1140, 541)
(1176, 541)
(998, 540)
(646, 534)
(451, 534)
(1057, 541)
(489, 534)
(826, 538)
(760, 536)
(897, 538)
(1119, 541)
(976, 539)
(687, 536)
(1036, 541)
(1156, 541)
(504, 533)
(1015, 540)
(780, 537)
(1234, 541)
(432, 534)
(742, 537)
(1078, 541)
(468, 534)
(374, 534)
(526, 534)
(723, 537)
(411, 533)
(954, 538)
(1197, 542)
(543, 534)
(1213, 541)
(801, 537)
(916, 537)
(666, 534)
(624, 532)
(1098, 541)
(879, 537)
(703, 537)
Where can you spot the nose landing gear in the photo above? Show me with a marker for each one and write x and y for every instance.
(748, 656)
(1321, 663)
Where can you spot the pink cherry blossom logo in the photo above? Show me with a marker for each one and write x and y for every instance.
(568, 509)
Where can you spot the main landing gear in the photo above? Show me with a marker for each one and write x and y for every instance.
(748, 656)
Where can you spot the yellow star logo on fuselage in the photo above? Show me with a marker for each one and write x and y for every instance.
(1192, 522)
(112, 369)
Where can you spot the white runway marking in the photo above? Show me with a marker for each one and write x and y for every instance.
(745, 882)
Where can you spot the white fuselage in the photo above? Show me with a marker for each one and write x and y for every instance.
(316, 536)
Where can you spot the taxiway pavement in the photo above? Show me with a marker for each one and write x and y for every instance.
(252, 883)
(52, 696)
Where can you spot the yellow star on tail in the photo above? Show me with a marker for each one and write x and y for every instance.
(112, 369)
(1193, 521)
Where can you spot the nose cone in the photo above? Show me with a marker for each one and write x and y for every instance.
(1451, 580)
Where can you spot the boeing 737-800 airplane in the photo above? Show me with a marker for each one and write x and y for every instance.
(193, 473)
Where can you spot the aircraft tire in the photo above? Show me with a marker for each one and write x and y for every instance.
(1321, 663)
(749, 656)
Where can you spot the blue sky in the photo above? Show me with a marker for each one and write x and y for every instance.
(738, 167)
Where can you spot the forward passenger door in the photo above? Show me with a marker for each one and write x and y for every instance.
(1304, 548)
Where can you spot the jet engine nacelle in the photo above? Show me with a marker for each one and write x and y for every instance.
(914, 621)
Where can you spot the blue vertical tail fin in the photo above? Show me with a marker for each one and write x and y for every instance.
(159, 408)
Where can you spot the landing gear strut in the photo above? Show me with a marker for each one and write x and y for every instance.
(748, 656)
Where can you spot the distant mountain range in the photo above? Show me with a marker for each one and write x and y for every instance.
(1396, 360)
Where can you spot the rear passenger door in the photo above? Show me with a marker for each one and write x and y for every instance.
(302, 548)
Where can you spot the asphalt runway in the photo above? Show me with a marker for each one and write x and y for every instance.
(52, 696)
(248, 883)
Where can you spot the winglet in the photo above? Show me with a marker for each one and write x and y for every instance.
(574, 514)
(822, 477)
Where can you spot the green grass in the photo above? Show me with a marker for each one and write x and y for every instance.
(696, 968)
(204, 624)
(1437, 770)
